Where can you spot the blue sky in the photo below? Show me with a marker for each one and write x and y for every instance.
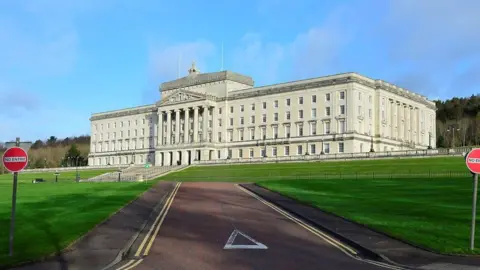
(60, 61)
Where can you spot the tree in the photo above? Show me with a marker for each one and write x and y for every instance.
(52, 140)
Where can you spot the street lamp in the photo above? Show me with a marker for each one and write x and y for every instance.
(306, 150)
(371, 146)
(45, 163)
(452, 128)
(264, 147)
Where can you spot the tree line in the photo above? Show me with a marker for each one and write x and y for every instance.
(53, 152)
(458, 122)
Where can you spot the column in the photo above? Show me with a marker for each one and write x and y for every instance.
(399, 121)
(214, 124)
(195, 124)
(418, 125)
(169, 127)
(177, 126)
(160, 128)
(205, 123)
(405, 122)
(186, 131)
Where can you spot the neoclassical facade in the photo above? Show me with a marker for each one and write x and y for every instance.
(222, 115)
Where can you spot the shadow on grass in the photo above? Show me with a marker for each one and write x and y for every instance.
(51, 216)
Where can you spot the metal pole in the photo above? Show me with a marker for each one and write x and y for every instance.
(474, 211)
(14, 204)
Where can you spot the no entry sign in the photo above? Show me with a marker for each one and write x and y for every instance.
(473, 160)
(15, 159)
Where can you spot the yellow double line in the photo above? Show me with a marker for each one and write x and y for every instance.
(149, 238)
(352, 253)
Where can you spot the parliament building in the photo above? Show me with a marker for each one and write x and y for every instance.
(220, 115)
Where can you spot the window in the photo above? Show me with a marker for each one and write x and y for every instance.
(369, 113)
(300, 114)
(275, 117)
(231, 109)
(229, 153)
(327, 97)
(253, 107)
(264, 118)
(231, 121)
(219, 110)
(288, 116)
(287, 150)
(359, 95)
(128, 123)
(327, 111)
(252, 119)
(313, 129)
(342, 109)
(242, 108)
(299, 149)
(341, 147)
(252, 134)
(240, 153)
(327, 127)
(218, 154)
(240, 134)
(263, 152)
(210, 123)
(219, 136)
(264, 133)
(312, 149)
(314, 113)
(135, 133)
(241, 120)
(264, 105)
(288, 102)
(143, 122)
(128, 133)
(383, 115)
(251, 152)
(287, 131)
(300, 100)
(326, 147)
(342, 126)
(230, 135)
(219, 122)
(342, 95)
(274, 151)
(121, 123)
(314, 99)
(275, 104)
(275, 132)
(300, 130)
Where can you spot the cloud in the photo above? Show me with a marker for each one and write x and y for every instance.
(164, 60)
(437, 39)
(311, 53)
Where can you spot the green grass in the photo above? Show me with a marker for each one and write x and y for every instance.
(420, 167)
(51, 215)
(433, 213)
(50, 177)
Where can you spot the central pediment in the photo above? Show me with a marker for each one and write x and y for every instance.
(181, 96)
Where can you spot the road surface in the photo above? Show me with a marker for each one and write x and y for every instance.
(222, 226)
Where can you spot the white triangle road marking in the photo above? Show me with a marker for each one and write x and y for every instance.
(231, 239)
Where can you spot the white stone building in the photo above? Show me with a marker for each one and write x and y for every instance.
(222, 115)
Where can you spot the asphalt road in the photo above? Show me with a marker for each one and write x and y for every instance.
(221, 226)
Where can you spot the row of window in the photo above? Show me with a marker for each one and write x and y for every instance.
(300, 150)
(126, 123)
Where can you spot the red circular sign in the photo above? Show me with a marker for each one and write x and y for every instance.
(15, 159)
(473, 160)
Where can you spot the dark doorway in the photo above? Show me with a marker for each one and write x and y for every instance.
(197, 155)
(210, 154)
(189, 153)
(171, 159)
(161, 159)
(179, 160)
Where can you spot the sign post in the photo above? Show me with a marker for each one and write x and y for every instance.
(15, 159)
(472, 159)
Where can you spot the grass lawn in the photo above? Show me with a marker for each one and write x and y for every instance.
(433, 213)
(50, 177)
(51, 215)
(421, 167)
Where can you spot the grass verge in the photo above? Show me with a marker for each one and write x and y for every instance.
(432, 213)
(51, 215)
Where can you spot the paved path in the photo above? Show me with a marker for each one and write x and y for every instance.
(193, 234)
